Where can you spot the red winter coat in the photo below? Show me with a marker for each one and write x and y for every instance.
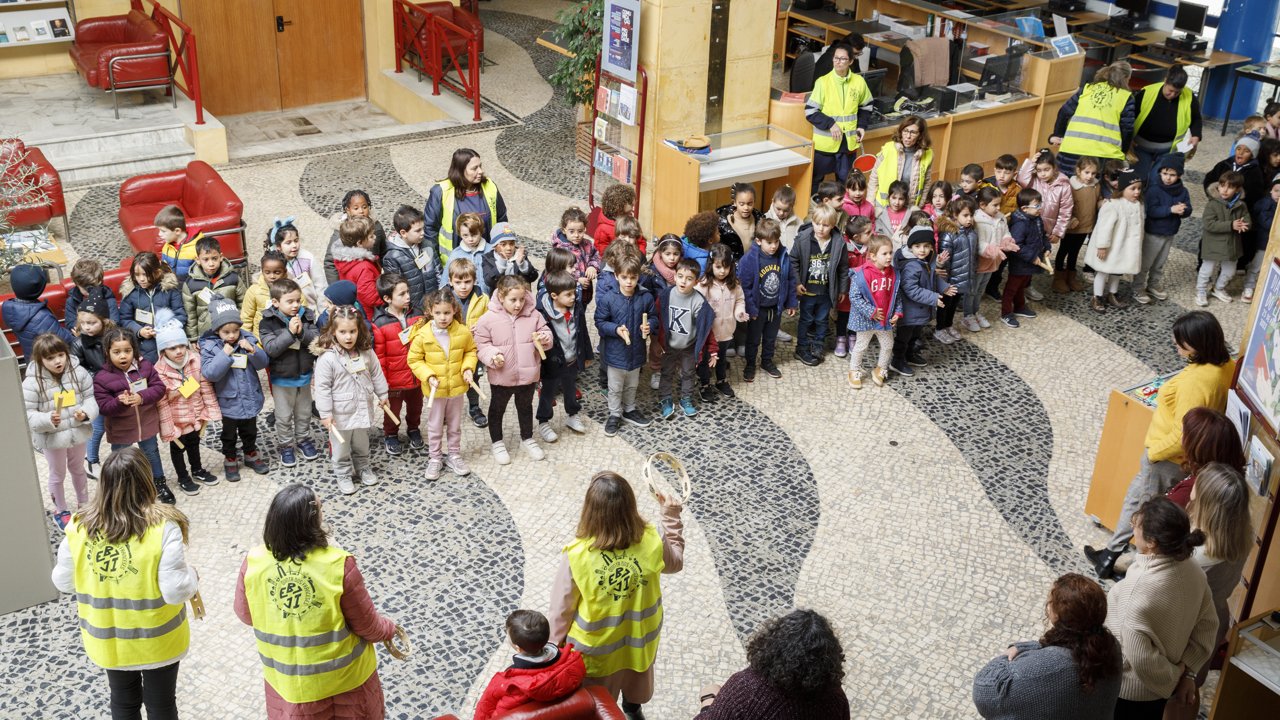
(392, 354)
(514, 686)
(360, 267)
(603, 230)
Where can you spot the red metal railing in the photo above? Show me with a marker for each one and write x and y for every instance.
(424, 40)
(183, 53)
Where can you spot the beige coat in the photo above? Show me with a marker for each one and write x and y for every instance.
(350, 398)
(1119, 229)
(727, 304)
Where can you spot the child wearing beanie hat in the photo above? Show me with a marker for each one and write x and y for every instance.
(92, 320)
(26, 314)
(189, 404)
(231, 358)
(342, 292)
(922, 292)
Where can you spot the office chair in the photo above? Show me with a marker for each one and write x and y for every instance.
(802, 69)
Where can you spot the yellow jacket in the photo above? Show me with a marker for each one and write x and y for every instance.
(427, 359)
(1198, 385)
(476, 310)
(256, 299)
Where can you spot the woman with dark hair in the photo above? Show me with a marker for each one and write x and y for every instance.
(125, 559)
(1207, 437)
(1162, 613)
(908, 157)
(1198, 339)
(465, 190)
(795, 666)
(295, 588)
(1072, 673)
(616, 624)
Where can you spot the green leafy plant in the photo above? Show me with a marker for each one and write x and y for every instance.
(579, 33)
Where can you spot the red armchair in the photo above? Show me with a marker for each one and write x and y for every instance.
(459, 17)
(207, 201)
(588, 703)
(122, 52)
(33, 209)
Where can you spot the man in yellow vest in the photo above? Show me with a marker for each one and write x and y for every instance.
(1168, 115)
(1098, 120)
(832, 109)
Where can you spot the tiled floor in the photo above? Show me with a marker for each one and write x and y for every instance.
(925, 518)
(62, 106)
(316, 126)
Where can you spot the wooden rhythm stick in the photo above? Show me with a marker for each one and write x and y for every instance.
(387, 411)
(1044, 264)
(197, 606)
(644, 323)
(336, 436)
(399, 646)
(432, 397)
(538, 344)
(479, 392)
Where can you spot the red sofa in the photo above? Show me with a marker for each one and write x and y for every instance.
(55, 294)
(459, 17)
(122, 52)
(207, 201)
(589, 703)
(32, 209)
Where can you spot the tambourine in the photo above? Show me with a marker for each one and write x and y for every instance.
(399, 646)
(657, 483)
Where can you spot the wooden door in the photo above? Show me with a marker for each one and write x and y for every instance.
(319, 51)
(236, 40)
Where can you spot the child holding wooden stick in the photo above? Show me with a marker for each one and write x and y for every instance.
(511, 341)
(349, 385)
(442, 356)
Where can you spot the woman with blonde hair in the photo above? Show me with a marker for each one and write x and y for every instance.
(606, 598)
(1098, 120)
(124, 558)
(1220, 508)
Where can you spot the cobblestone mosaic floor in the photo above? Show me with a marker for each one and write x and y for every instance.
(926, 518)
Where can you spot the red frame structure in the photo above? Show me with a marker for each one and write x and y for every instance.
(183, 52)
(409, 21)
(643, 101)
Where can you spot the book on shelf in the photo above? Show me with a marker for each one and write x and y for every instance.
(604, 162)
(602, 98)
(59, 28)
(621, 169)
(20, 34)
(601, 129)
(4, 34)
(40, 29)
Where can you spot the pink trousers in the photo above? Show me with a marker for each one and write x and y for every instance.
(445, 417)
(61, 462)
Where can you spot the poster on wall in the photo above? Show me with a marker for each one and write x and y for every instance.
(619, 54)
(1258, 374)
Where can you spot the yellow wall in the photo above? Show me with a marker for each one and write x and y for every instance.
(397, 100)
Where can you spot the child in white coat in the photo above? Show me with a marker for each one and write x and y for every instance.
(60, 411)
(349, 387)
(1115, 248)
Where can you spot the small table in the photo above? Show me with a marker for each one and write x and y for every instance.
(1268, 73)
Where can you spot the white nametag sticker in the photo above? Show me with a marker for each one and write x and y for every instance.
(239, 361)
(356, 364)
(143, 317)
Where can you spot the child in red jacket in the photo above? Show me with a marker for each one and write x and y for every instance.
(391, 330)
(539, 672)
(356, 262)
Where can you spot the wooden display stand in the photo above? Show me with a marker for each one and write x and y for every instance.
(1119, 455)
(1249, 687)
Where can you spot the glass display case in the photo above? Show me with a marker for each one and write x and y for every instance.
(749, 155)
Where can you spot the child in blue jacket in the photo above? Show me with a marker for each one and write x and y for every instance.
(922, 292)
(620, 316)
(230, 358)
(769, 285)
(1167, 203)
(152, 287)
(26, 314)
(875, 307)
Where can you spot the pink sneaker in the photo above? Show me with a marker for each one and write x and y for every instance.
(842, 346)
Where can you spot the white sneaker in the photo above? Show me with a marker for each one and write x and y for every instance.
(1142, 298)
(1034, 294)
(654, 380)
(368, 477)
(742, 351)
(1222, 295)
(971, 324)
(345, 486)
(1157, 293)
(955, 334)
(531, 447)
(1202, 300)
(546, 433)
(500, 455)
(783, 337)
(434, 466)
(1246, 296)
(457, 465)
(730, 352)
(943, 336)
(983, 322)
(573, 423)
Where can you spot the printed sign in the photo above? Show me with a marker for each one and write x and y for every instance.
(619, 54)
(1258, 379)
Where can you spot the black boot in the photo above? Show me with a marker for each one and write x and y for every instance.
(1104, 561)
(632, 711)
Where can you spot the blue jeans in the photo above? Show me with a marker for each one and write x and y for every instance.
(811, 332)
(95, 440)
(150, 448)
(1147, 160)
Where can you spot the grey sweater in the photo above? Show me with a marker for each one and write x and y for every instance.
(1041, 683)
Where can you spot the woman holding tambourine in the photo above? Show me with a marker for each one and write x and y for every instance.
(606, 598)
(296, 590)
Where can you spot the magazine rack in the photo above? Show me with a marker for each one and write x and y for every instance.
(617, 133)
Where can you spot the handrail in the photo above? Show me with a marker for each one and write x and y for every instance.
(408, 23)
(184, 52)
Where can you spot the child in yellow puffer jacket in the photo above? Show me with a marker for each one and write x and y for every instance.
(442, 355)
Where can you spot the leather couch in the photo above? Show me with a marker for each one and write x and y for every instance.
(207, 201)
(588, 703)
(31, 208)
(55, 295)
(459, 17)
(122, 52)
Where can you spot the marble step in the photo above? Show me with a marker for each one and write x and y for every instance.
(54, 144)
(125, 161)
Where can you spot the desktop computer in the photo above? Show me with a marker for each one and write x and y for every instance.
(1135, 17)
(1190, 19)
(1067, 6)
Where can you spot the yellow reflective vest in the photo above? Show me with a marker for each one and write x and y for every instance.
(307, 651)
(619, 617)
(1094, 130)
(124, 620)
(1147, 100)
(449, 199)
(839, 99)
(887, 172)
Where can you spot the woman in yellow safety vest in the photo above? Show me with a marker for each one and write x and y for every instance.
(124, 559)
(1098, 120)
(1168, 114)
(465, 190)
(907, 157)
(606, 598)
(313, 619)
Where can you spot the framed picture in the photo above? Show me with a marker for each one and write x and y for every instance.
(1258, 369)
(1258, 471)
(620, 40)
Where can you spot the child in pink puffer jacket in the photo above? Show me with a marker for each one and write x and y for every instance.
(505, 342)
(1040, 172)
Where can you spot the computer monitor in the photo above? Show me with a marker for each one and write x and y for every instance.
(1136, 14)
(1002, 73)
(1190, 18)
(875, 81)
